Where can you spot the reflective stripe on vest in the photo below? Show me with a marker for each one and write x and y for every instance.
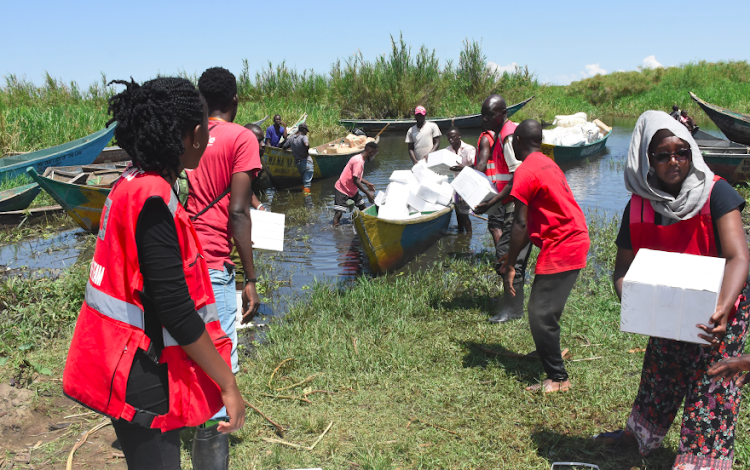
(500, 177)
(114, 308)
(130, 314)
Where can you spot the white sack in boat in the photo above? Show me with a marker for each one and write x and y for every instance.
(570, 120)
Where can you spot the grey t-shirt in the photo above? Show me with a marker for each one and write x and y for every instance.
(422, 138)
(299, 144)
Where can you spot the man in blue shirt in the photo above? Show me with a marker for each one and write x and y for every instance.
(276, 132)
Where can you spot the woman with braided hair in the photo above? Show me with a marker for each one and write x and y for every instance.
(148, 349)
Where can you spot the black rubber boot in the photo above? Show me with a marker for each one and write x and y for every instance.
(512, 306)
(210, 449)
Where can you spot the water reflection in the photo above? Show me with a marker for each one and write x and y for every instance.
(314, 250)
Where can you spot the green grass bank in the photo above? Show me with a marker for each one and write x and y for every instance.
(398, 364)
(34, 117)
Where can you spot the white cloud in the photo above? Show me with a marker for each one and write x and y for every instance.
(501, 69)
(650, 62)
(594, 69)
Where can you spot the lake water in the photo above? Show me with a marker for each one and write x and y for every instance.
(314, 250)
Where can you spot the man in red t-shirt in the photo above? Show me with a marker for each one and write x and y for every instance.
(218, 201)
(546, 214)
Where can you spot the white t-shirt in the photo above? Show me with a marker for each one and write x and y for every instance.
(422, 138)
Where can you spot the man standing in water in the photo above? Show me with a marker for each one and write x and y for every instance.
(228, 167)
(423, 137)
(546, 214)
(467, 153)
(300, 145)
(499, 166)
(276, 132)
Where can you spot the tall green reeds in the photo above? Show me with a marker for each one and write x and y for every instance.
(630, 93)
(390, 86)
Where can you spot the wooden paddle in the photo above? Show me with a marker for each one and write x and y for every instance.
(381, 130)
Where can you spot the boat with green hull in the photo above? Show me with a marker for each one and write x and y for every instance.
(281, 167)
(563, 154)
(18, 198)
(734, 125)
(389, 244)
(80, 190)
(469, 121)
(727, 159)
(82, 151)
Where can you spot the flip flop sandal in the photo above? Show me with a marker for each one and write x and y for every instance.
(611, 438)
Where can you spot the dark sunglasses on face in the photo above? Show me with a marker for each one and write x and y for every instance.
(664, 157)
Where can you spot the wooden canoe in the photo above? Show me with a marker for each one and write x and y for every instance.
(736, 126)
(727, 159)
(81, 190)
(469, 121)
(260, 122)
(82, 151)
(18, 198)
(389, 244)
(281, 167)
(13, 217)
(562, 153)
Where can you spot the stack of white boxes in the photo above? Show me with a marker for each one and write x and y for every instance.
(414, 193)
(667, 294)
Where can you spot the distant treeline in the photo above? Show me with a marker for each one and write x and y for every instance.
(33, 117)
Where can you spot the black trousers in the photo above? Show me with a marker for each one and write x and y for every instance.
(145, 448)
(148, 449)
(549, 293)
(505, 213)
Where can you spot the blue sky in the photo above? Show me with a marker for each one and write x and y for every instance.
(559, 40)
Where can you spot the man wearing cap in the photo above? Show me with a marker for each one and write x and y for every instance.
(423, 137)
(300, 145)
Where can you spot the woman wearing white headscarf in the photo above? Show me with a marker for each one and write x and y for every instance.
(678, 205)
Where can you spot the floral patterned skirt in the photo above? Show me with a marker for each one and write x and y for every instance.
(675, 370)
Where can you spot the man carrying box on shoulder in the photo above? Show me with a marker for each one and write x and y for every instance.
(546, 214)
(499, 165)
(350, 183)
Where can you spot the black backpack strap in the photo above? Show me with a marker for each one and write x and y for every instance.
(213, 203)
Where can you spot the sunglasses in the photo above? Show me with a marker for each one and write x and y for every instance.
(664, 157)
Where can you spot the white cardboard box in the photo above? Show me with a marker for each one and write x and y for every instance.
(422, 173)
(394, 211)
(397, 192)
(268, 230)
(429, 191)
(474, 187)
(667, 294)
(420, 205)
(441, 161)
(380, 198)
(446, 194)
(404, 177)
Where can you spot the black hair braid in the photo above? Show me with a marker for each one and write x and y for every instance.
(218, 86)
(153, 118)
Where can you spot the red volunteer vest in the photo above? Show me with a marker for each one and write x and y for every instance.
(110, 325)
(694, 236)
(490, 136)
(497, 167)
